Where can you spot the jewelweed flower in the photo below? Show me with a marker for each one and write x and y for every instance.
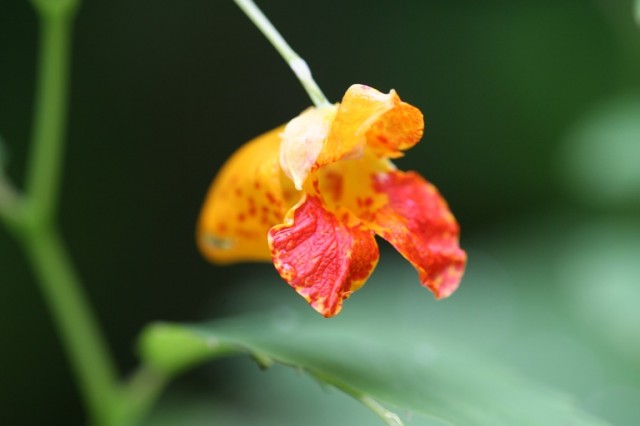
(311, 196)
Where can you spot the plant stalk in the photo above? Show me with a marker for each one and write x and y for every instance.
(35, 223)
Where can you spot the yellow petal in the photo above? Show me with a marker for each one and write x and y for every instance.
(249, 195)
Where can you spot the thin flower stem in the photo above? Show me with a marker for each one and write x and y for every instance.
(297, 64)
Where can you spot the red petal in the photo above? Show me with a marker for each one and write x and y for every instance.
(418, 223)
(324, 258)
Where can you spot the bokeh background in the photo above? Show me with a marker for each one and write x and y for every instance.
(532, 115)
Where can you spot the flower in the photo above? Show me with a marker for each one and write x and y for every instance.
(311, 196)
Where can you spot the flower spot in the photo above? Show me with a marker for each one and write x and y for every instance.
(333, 185)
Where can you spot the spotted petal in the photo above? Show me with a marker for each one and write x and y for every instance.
(248, 196)
(323, 257)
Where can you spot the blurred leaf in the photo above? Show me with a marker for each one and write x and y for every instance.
(600, 274)
(413, 375)
(637, 11)
(601, 157)
(282, 397)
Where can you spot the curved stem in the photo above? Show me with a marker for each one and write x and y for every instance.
(35, 219)
(297, 64)
(74, 320)
(32, 217)
(138, 395)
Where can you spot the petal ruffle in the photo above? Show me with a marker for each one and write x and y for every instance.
(417, 222)
(249, 195)
(323, 257)
(368, 117)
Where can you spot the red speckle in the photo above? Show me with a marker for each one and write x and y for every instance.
(246, 233)
(383, 139)
(272, 198)
(241, 217)
(333, 185)
(252, 207)
(221, 227)
(256, 185)
(238, 192)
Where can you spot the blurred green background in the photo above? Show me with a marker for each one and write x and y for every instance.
(532, 113)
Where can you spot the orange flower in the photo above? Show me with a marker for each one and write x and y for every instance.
(311, 196)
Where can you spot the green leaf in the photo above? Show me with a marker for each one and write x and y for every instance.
(430, 378)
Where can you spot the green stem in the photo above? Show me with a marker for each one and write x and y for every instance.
(32, 217)
(297, 64)
(138, 396)
(35, 229)
(50, 112)
(74, 320)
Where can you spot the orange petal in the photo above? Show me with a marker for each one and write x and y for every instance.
(248, 196)
(321, 256)
(417, 222)
(368, 117)
(396, 130)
